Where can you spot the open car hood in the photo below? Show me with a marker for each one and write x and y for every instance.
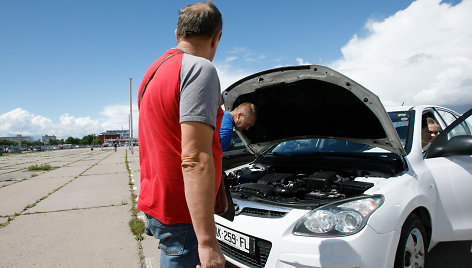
(311, 101)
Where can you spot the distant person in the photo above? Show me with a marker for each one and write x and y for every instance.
(430, 130)
(115, 146)
(241, 118)
(180, 153)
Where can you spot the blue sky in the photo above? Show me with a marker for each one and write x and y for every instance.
(65, 65)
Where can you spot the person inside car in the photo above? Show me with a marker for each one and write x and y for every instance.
(430, 130)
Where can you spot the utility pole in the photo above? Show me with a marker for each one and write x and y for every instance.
(131, 140)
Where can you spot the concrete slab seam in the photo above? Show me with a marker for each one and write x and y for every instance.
(12, 217)
(35, 175)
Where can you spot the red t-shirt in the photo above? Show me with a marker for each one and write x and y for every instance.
(166, 103)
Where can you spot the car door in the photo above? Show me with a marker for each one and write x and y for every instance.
(449, 158)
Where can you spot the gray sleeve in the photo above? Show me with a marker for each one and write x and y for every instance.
(199, 91)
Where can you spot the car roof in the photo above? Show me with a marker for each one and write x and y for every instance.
(414, 107)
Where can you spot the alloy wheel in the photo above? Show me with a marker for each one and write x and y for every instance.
(414, 250)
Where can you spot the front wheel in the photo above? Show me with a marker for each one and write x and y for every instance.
(411, 248)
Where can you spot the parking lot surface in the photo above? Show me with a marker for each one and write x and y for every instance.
(77, 213)
(74, 215)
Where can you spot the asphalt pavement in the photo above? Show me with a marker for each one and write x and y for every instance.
(77, 213)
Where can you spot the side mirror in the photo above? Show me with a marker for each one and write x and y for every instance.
(458, 145)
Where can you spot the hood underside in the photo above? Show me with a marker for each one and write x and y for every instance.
(311, 102)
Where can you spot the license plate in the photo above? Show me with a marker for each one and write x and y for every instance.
(235, 239)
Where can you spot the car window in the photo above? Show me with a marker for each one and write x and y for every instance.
(464, 128)
(309, 146)
(402, 121)
(304, 146)
(447, 117)
(454, 140)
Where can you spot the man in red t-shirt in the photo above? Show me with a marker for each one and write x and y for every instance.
(180, 152)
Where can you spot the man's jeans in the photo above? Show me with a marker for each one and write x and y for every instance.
(178, 243)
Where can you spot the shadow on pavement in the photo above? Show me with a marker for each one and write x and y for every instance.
(456, 254)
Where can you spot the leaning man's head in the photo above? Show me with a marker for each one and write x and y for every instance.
(245, 116)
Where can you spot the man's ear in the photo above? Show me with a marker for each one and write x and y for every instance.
(216, 38)
(176, 37)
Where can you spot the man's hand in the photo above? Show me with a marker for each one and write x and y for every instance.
(211, 257)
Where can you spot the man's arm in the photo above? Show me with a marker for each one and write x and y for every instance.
(199, 180)
(226, 131)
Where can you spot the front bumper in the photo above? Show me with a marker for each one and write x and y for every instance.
(276, 246)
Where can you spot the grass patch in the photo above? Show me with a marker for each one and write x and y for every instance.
(40, 167)
(137, 228)
(136, 225)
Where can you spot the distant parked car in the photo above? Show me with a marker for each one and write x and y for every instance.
(14, 149)
(338, 181)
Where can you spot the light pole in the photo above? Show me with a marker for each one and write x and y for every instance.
(130, 118)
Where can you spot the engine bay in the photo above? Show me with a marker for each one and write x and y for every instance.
(293, 189)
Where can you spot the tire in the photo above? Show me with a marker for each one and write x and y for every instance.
(411, 250)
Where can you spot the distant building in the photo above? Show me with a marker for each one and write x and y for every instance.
(115, 136)
(19, 138)
(45, 139)
(123, 134)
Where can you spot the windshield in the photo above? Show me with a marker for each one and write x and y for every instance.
(308, 146)
(400, 120)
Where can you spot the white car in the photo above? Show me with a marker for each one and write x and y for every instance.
(338, 181)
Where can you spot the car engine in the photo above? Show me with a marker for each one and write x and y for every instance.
(291, 188)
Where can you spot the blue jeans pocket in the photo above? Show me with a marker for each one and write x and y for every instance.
(171, 236)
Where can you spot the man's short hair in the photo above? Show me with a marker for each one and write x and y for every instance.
(248, 108)
(428, 119)
(199, 19)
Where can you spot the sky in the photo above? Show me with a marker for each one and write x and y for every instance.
(65, 66)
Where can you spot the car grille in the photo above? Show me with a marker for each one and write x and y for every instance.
(262, 250)
(230, 265)
(262, 213)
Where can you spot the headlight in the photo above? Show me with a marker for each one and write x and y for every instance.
(338, 219)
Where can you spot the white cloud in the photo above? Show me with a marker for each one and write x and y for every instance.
(228, 75)
(231, 58)
(420, 55)
(117, 117)
(302, 62)
(75, 126)
(238, 50)
(244, 55)
(20, 121)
